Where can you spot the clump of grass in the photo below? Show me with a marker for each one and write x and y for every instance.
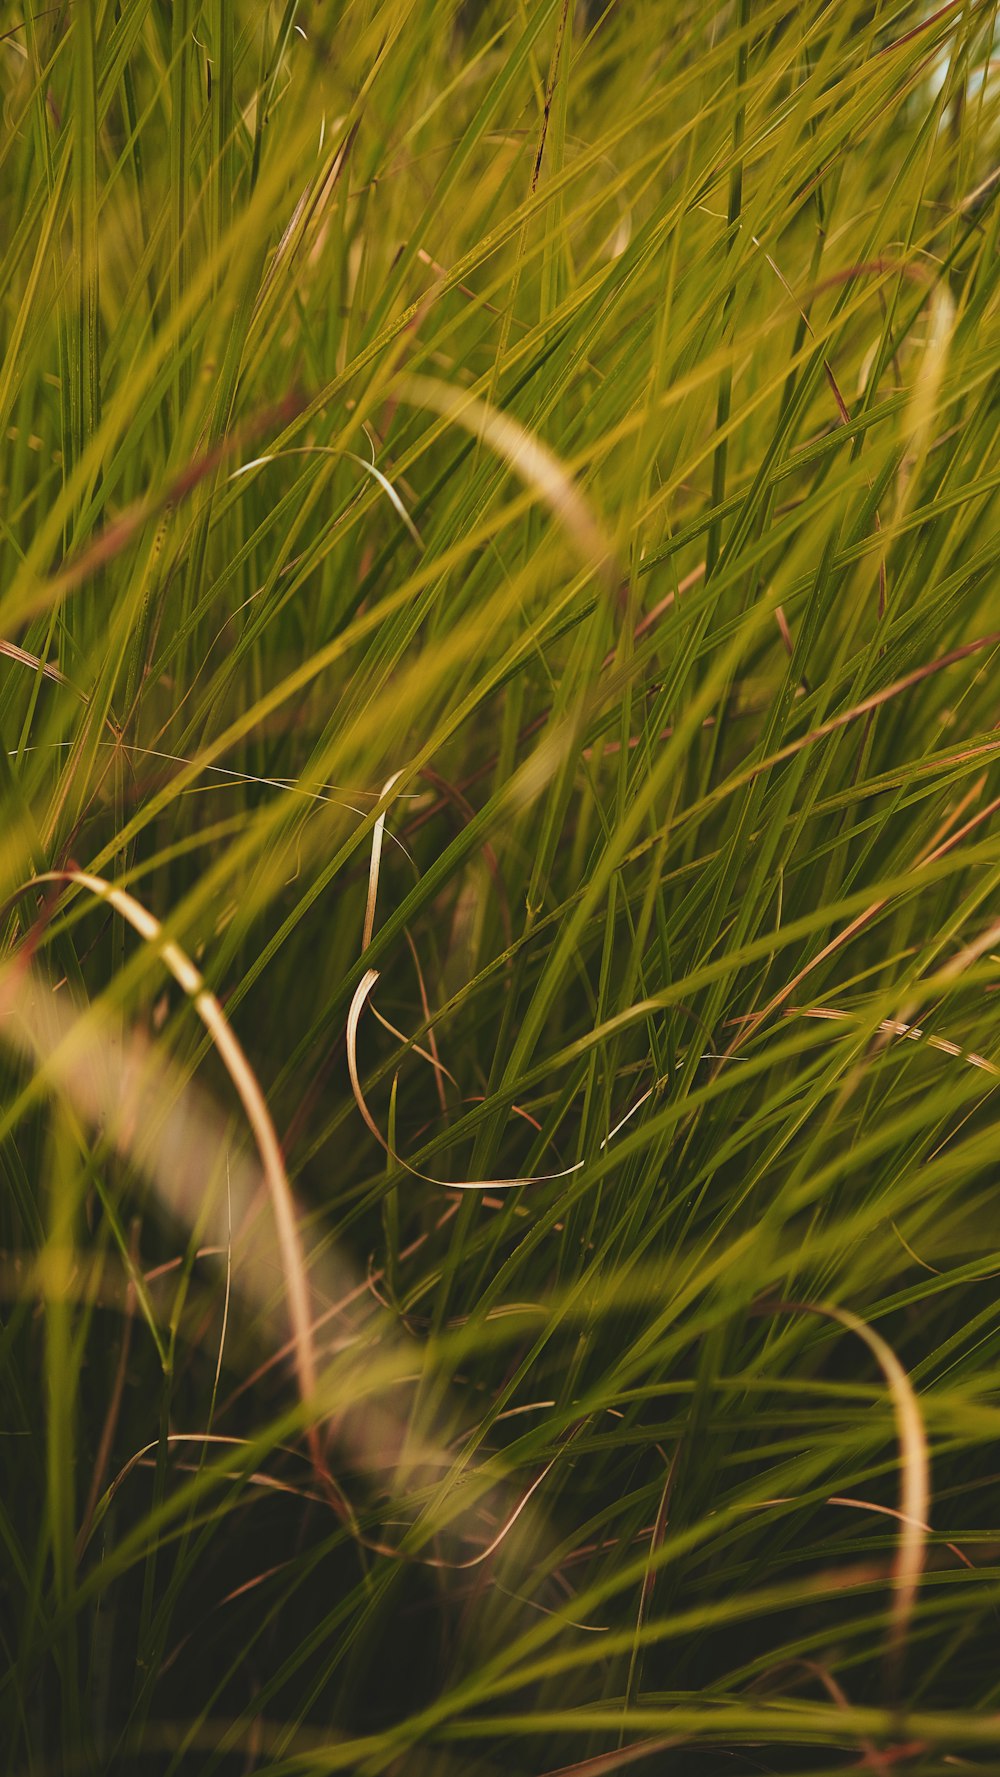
(499, 588)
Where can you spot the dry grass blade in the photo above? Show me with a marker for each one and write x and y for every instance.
(11, 651)
(327, 450)
(914, 1494)
(375, 864)
(251, 1097)
(357, 1006)
(536, 465)
(895, 1027)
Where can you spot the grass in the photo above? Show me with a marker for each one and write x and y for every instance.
(499, 880)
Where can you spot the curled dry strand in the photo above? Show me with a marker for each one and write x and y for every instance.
(362, 997)
(254, 1104)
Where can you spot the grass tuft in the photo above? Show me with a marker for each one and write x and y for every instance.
(499, 503)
